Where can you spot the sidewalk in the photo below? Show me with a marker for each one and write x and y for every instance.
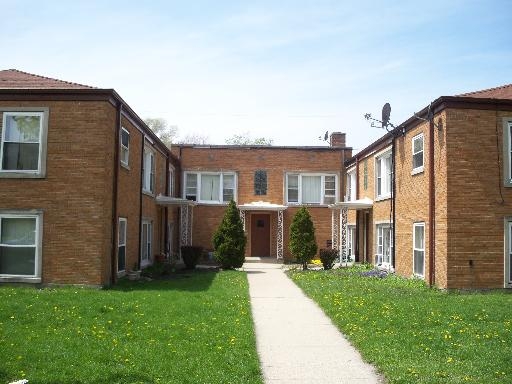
(296, 342)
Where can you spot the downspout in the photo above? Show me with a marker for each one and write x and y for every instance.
(393, 193)
(139, 259)
(166, 210)
(431, 207)
(115, 187)
(356, 253)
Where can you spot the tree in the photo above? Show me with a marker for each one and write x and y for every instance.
(302, 237)
(165, 132)
(246, 139)
(194, 138)
(229, 240)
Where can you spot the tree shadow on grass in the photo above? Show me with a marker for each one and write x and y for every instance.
(113, 378)
(185, 280)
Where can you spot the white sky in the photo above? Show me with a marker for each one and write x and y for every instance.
(285, 70)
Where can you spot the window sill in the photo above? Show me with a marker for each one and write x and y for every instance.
(19, 279)
(148, 193)
(214, 203)
(417, 171)
(382, 198)
(22, 175)
(125, 166)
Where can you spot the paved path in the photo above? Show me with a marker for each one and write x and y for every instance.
(296, 342)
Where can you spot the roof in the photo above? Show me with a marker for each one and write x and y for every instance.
(15, 79)
(502, 92)
(364, 203)
(261, 206)
(270, 147)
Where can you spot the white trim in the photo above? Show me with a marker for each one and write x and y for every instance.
(149, 177)
(323, 196)
(125, 221)
(507, 148)
(221, 175)
(148, 246)
(380, 256)
(126, 163)
(351, 186)
(416, 170)
(386, 177)
(414, 249)
(40, 172)
(38, 244)
(507, 260)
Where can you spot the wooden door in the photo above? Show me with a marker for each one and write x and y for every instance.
(260, 234)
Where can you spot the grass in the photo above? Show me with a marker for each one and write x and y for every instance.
(193, 329)
(414, 334)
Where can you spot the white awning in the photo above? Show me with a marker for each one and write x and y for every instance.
(168, 200)
(261, 206)
(356, 205)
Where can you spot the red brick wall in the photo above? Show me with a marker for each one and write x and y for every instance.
(76, 194)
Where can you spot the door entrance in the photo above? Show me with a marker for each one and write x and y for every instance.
(260, 234)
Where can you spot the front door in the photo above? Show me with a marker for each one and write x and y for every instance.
(260, 234)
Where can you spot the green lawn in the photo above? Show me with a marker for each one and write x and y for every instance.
(194, 328)
(414, 334)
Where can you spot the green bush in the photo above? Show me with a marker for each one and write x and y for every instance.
(328, 257)
(191, 255)
(229, 240)
(302, 237)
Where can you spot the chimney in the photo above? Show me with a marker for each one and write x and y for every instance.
(337, 139)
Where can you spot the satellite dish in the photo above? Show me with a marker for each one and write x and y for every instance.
(386, 112)
(326, 136)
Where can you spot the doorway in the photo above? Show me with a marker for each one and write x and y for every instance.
(260, 235)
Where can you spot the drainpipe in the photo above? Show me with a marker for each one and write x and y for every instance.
(356, 253)
(139, 259)
(431, 207)
(115, 178)
(393, 193)
(166, 211)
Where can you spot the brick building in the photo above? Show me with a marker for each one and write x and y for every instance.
(432, 197)
(80, 174)
(88, 192)
(268, 183)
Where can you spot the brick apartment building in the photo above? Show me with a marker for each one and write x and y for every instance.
(88, 192)
(268, 183)
(79, 177)
(432, 197)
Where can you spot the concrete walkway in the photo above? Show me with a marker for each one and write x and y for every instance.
(296, 342)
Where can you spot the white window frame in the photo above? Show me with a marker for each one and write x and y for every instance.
(416, 249)
(507, 262)
(383, 177)
(383, 230)
(124, 150)
(351, 185)
(323, 196)
(121, 241)
(507, 148)
(148, 170)
(197, 194)
(351, 241)
(171, 181)
(38, 245)
(420, 168)
(40, 172)
(146, 249)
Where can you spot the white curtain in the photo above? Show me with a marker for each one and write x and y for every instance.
(311, 189)
(20, 231)
(210, 187)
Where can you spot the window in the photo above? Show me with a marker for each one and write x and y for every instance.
(351, 186)
(20, 246)
(365, 174)
(310, 188)
(125, 147)
(507, 140)
(121, 245)
(384, 245)
(383, 176)
(417, 154)
(260, 182)
(23, 144)
(147, 240)
(210, 187)
(148, 170)
(351, 242)
(508, 253)
(171, 181)
(419, 249)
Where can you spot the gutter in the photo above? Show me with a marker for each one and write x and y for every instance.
(393, 197)
(139, 259)
(115, 179)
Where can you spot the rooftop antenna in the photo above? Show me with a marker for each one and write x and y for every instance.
(384, 122)
(326, 136)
